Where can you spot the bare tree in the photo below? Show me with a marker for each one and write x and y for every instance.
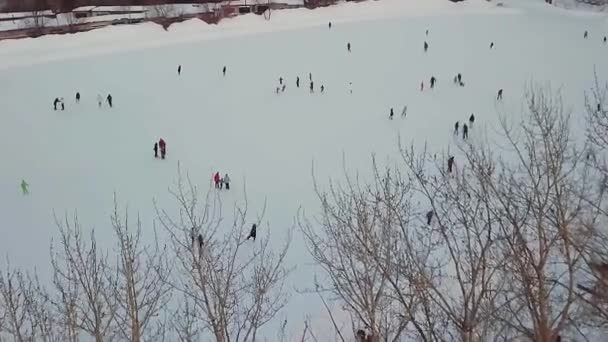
(355, 224)
(14, 305)
(141, 282)
(540, 203)
(81, 272)
(235, 285)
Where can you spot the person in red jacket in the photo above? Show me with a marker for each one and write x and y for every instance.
(163, 148)
(217, 179)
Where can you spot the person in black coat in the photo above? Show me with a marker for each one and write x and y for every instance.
(298, 82)
(499, 96)
(392, 113)
(224, 71)
(55, 103)
(471, 120)
(450, 164)
(429, 217)
(433, 80)
(348, 46)
(312, 87)
(109, 99)
(456, 125)
(77, 97)
(179, 70)
(426, 46)
(200, 241)
(465, 131)
(253, 232)
(155, 150)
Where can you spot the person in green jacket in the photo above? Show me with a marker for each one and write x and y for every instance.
(24, 187)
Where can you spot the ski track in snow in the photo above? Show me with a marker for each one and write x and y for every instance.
(77, 159)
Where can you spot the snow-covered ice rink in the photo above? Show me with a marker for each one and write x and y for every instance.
(75, 160)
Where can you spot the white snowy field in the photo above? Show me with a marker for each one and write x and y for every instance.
(78, 158)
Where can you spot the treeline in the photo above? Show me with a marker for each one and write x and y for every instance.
(67, 5)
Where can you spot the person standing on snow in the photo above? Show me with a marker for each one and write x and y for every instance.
(433, 80)
(312, 87)
(422, 86)
(491, 45)
(604, 39)
(471, 120)
(253, 232)
(390, 116)
(298, 82)
(24, 187)
(450, 164)
(77, 97)
(179, 70)
(224, 71)
(227, 181)
(62, 103)
(330, 25)
(217, 179)
(404, 112)
(429, 217)
(155, 150)
(426, 46)
(348, 46)
(586, 35)
(465, 132)
(163, 148)
(109, 99)
(55, 103)
(456, 128)
(499, 96)
(322, 89)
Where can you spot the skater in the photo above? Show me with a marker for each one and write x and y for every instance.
(62, 104)
(429, 217)
(253, 232)
(224, 71)
(109, 99)
(450, 164)
(427, 33)
(55, 103)
(179, 70)
(77, 97)
(456, 128)
(24, 187)
(604, 39)
(310, 76)
(99, 100)
(392, 113)
(312, 87)
(421, 86)
(163, 148)
(330, 25)
(155, 150)
(404, 111)
(426, 46)
(226, 181)
(280, 80)
(216, 179)
(586, 35)
(471, 120)
(298, 82)
(433, 80)
(491, 45)
(459, 78)
(465, 131)
(322, 88)
(200, 242)
(499, 96)
(348, 46)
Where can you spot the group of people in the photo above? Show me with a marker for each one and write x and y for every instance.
(283, 85)
(221, 182)
(163, 148)
(61, 102)
(465, 128)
